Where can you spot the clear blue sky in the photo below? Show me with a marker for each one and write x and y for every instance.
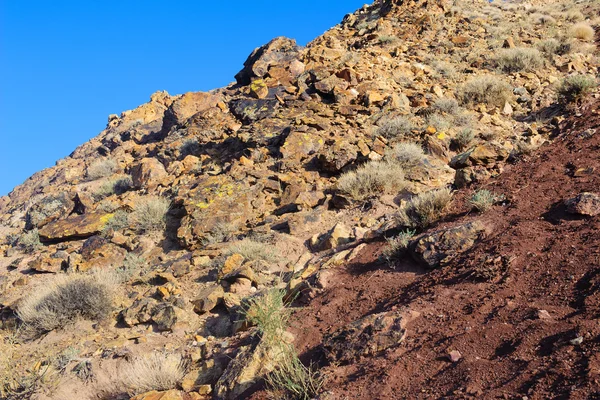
(66, 65)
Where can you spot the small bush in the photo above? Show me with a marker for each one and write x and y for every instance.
(583, 31)
(387, 39)
(425, 208)
(447, 106)
(372, 178)
(395, 128)
(221, 232)
(575, 87)
(486, 89)
(132, 264)
(444, 69)
(119, 220)
(519, 59)
(156, 371)
(553, 46)
(463, 139)
(101, 168)
(30, 242)
(114, 186)
(190, 147)
(150, 214)
(439, 122)
(293, 380)
(269, 314)
(396, 246)
(482, 200)
(253, 250)
(66, 299)
(407, 155)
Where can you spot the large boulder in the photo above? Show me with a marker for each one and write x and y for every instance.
(437, 248)
(279, 52)
(74, 227)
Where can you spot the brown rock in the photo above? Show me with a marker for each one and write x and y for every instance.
(584, 204)
(147, 173)
(208, 299)
(259, 89)
(75, 227)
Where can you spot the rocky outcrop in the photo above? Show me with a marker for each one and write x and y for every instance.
(75, 227)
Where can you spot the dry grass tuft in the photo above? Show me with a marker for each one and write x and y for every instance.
(67, 298)
(407, 155)
(396, 246)
(372, 178)
(574, 88)
(155, 371)
(101, 168)
(519, 59)
(425, 208)
(482, 200)
(395, 128)
(583, 31)
(253, 250)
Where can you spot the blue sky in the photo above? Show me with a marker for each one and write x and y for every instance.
(66, 65)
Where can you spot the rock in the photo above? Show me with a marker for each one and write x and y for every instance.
(232, 263)
(335, 158)
(48, 209)
(454, 356)
(187, 105)
(437, 248)
(470, 175)
(280, 51)
(140, 312)
(543, 314)
(168, 395)
(48, 264)
(509, 43)
(251, 110)
(167, 317)
(259, 89)
(338, 235)
(208, 299)
(75, 227)
(299, 145)
(368, 336)
(585, 203)
(485, 154)
(148, 173)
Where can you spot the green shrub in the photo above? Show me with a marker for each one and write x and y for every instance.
(574, 88)
(269, 314)
(425, 208)
(395, 128)
(29, 242)
(396, 246)
(482, 200)
(67, 298)
(101, 168)
(150, 214)
(486, 89)
(372, 178)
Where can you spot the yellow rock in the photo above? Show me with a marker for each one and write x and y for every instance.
(259, 89)
(431, 130)
(233, 262)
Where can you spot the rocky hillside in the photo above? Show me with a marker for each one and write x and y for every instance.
(407, 207)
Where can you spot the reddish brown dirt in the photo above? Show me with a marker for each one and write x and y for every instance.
(486, 304)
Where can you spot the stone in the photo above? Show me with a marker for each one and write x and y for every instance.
(139, 313)
(335, 158)
(280, 51)
(259, 89)
(167, 316)
(74, 227)
(168, 395)
(149, 173)
(485, 154)
(48, 264)
(585, 203)
(438, 248)
(187, 105)
(338, 235)
(48, 209)
(369, 336)
(252, 110)
(454, 356)
(208, 299)
(232, 263)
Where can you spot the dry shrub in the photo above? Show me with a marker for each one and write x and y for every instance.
(67, 298)
(101, 168)
(575, 87)
(372, 178)
(395, 128)
(118, 185)
(519, 59)
(486, 89)
(407, 155)
(583, 31)
(463, 139)
(447, 106)
(150, 214)
(29, 242)
(155, 371)
(396, 246)
(425, 208)
(554, 46)
(482, 200)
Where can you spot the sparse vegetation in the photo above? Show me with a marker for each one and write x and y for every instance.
(101, 168)
(387, 39)
(290, 379)
(67, 298)
(190, 147)
(554, 46)
(150, 214)
(118, 185)
(29, 242)
(447, 106)
(425, 208)
(486, 89)
(583, 31)
(132, 264)
(574, 88)
(119, 220)
(372, 178)
(156, 371)
(519, 59)
(253, 250)
(439, 122)
(463, 139)
(407, 155)
(395, 128)
(222, 232)
(482, 200)
(396, 246)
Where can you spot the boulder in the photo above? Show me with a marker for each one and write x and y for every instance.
(48, 209)
(585, 203)
(74, 227)
(252, 110)
(147, 173)
(485, 154)
(208, 299)
(280, 51)
(338, 235)
(169, 395)
(437, 248)
(368, 336)
(187, 105)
